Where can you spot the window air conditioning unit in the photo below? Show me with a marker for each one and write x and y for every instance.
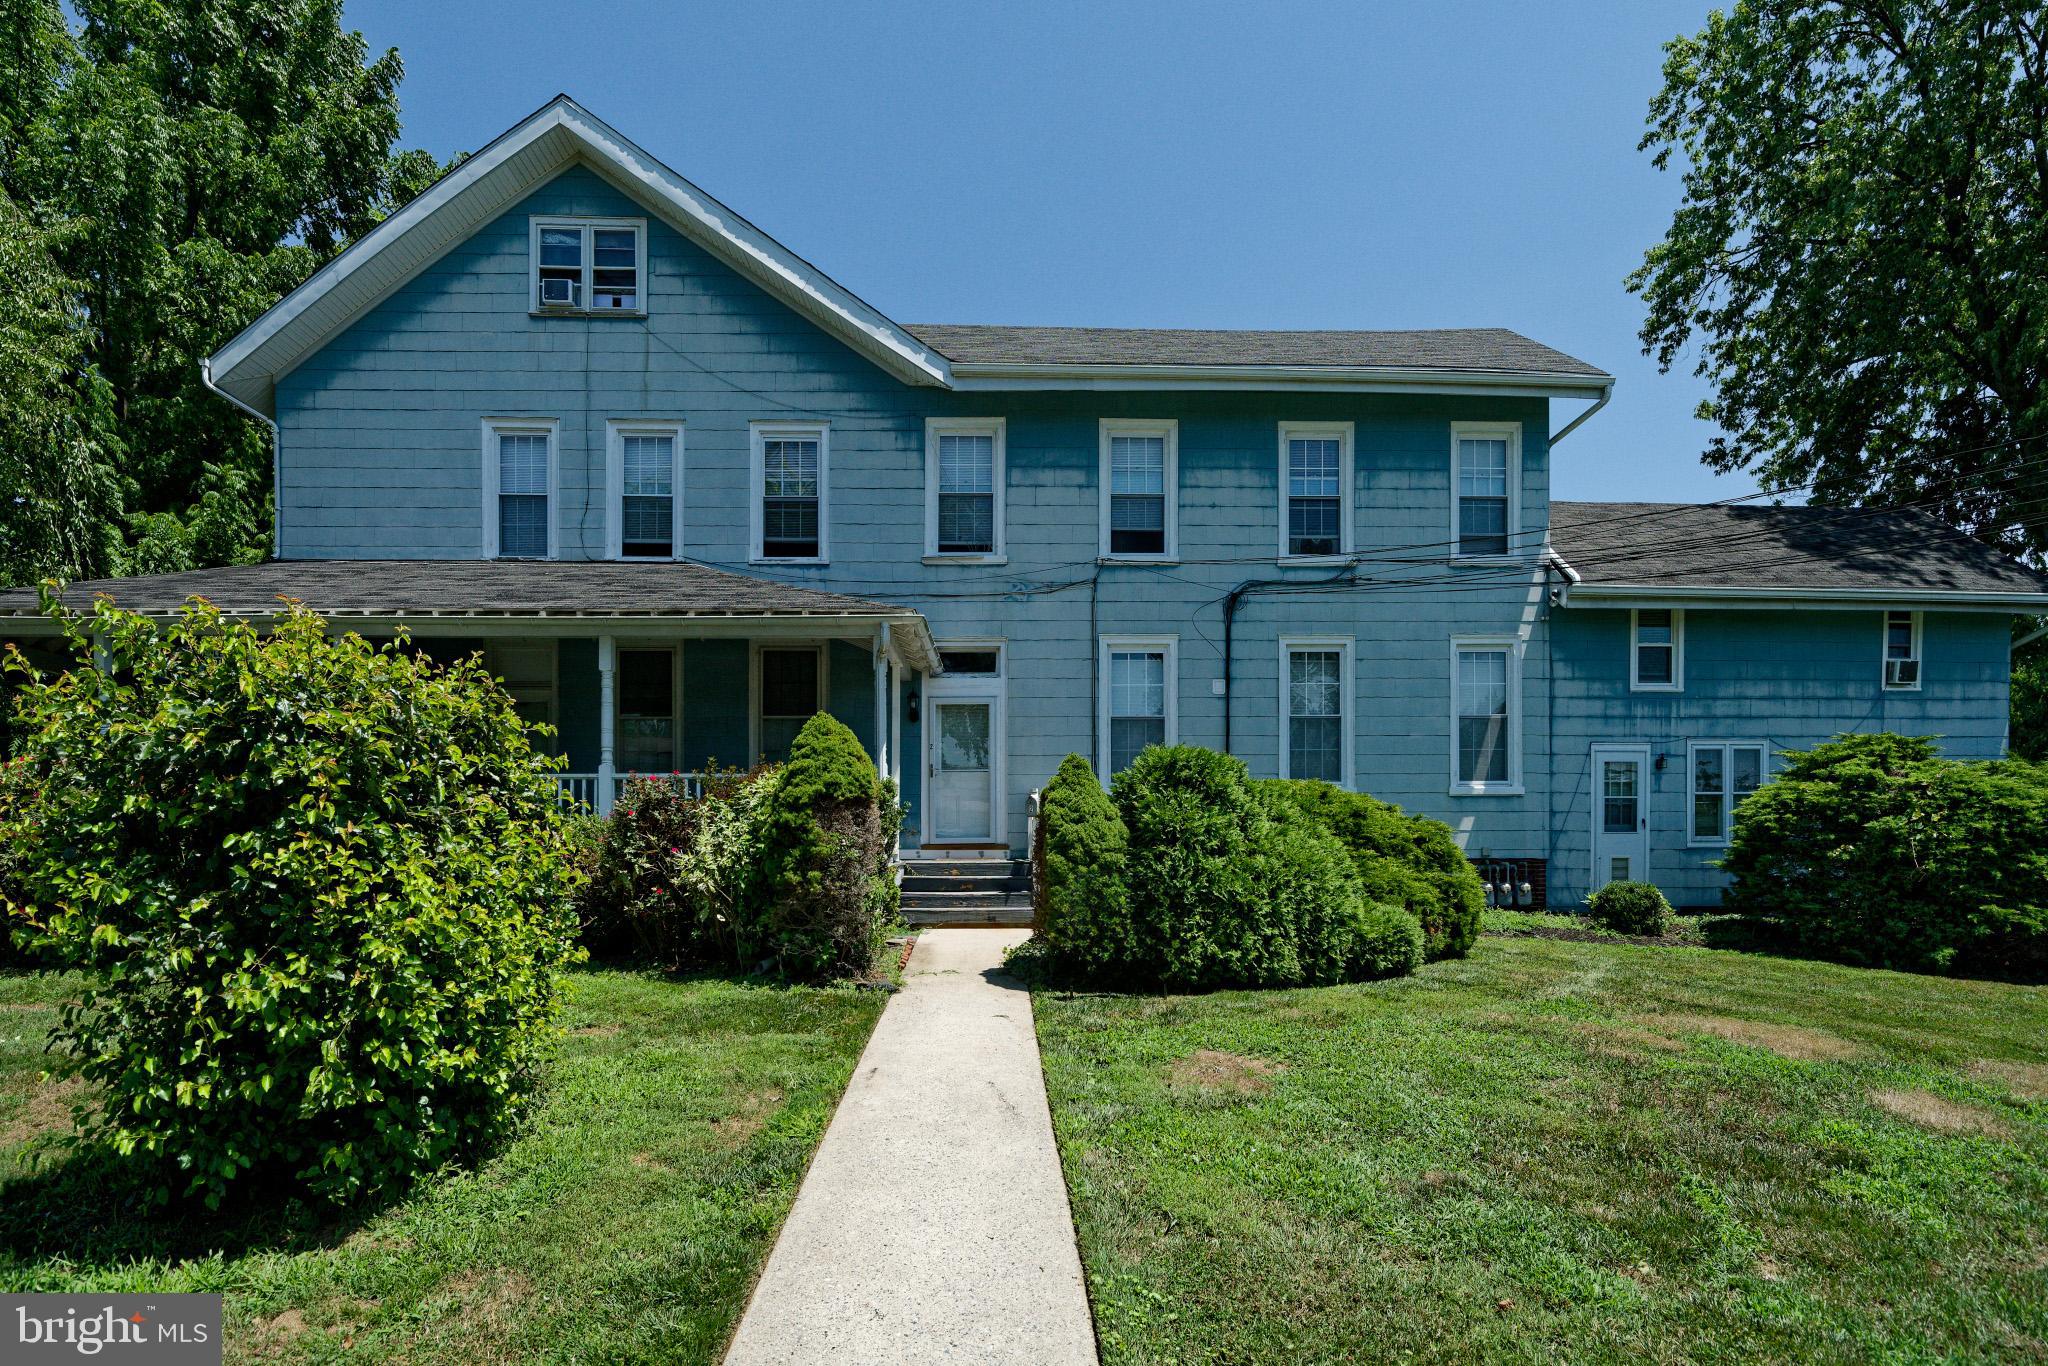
(557, 293)
(1901, 673)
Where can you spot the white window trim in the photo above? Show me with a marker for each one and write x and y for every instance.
(630, 645)
(1346, 681)
(1487, 431)
(539, 221)
(758, 434)
(1516, 740)
(1108, 645)
(1345, 432)
(487, 441)
(934, 428)
(1884, 637)
(616, 430)
(1635, 681)
(1763, 776)
(1135, 426)
(754, 686)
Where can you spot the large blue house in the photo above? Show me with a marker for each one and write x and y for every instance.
(683, 490)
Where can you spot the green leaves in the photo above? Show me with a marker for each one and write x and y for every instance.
(294, 935)
(1856, 256)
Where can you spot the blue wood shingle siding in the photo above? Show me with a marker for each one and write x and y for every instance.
(381, 440)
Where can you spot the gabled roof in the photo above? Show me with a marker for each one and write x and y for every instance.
(1491, 350)
(425, 593)
(1737, 551)
(560, 134)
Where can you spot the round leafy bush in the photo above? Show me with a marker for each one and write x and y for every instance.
(826, 891)
(1873, 850)
(1084, 919)
(676, 873)
(1407, 861)
(1387, 942)
(1631, 908)
(321, 891)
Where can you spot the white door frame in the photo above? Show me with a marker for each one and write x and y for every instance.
(973, 688)
(1640, 752)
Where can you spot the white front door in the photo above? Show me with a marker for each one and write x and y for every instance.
(1621, 814)
(962, 764)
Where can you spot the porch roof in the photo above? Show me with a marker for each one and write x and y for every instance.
(473, 597)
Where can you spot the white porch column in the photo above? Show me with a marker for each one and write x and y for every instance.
(882, 747)
(607, 668)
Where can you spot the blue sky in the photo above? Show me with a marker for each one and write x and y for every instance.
(1135, 164)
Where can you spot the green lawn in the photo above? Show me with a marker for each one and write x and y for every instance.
(1565, 1151)
(625, 1223)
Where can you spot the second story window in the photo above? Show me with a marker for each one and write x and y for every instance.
(643, 463)
(1901, 651)
(1657, 650)
(519, 477)
(589, 265)
(789, 492)
(1485, 468)
(964, 487)
(1140, 493)
(1315, 481)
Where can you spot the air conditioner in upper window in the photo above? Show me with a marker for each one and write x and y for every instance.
(558, 293)
(1902, 673)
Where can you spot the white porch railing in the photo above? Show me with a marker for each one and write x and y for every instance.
(581, 789)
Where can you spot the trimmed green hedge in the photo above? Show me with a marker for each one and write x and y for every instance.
(1084, 914)
(1871, 849)
(1631, 908)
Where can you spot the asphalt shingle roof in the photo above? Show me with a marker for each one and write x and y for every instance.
(418, 587)
(1746, 546)
(1479, 349)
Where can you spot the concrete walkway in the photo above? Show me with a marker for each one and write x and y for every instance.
(933, 1223)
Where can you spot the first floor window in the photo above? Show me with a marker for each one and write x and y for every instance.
(1484, 691)
(1902, 650)
(792, 493)
(522, 469)
(1138, 702)
(527, 669)
(1484, 472)
(646, 741)
(1657, 647)
(790, 695)
(1722, 775)
(1315, 712)
(966, 471)
(647, 493)
(1138, 473)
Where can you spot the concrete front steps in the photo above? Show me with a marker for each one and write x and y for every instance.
(966, 891)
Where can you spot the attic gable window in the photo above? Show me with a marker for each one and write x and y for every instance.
(589, 265)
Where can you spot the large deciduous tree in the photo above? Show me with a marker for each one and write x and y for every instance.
(1859, 252)
(185, 163)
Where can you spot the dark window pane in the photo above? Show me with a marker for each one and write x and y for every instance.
(969, 661)
(1653, 663)
(1128, 735)
(1483, 749)
(523, 526)
(647, 526)
(789, 683)
(1313, 526)
(1482, 526)
(966, 522)
(1315, 748)
(789, 528)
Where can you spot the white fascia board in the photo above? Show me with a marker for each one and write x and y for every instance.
(1611, 595)
(688, 209)
(1276, 378)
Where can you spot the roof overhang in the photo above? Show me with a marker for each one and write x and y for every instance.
(1329, 379)
(561, 134)
(1739, 597)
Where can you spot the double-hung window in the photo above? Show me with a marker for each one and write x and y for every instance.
(964, 488)
(518, 480)
(589, 265)
(789, 491)
(1315, 483)
(1315, 685)
(1486, 716)
(789, 690)
(1722, 775)
(1657, 649)
(647, 711)
(1140, 489)
(1485, 470)
(643, 474)
(1901, 651)
(1137, 705)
